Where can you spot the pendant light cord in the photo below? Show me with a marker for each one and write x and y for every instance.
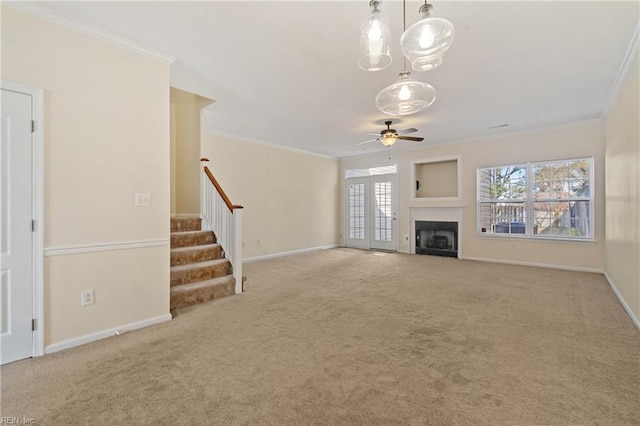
(404, 28)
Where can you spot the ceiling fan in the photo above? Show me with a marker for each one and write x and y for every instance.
(389, 136)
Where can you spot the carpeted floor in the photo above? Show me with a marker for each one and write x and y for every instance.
(356, 337)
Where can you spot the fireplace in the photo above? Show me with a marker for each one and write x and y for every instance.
(437, 238)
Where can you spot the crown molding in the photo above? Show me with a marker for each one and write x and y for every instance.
(269, 144)
(49, 15)
(622, 71)
(525, 131)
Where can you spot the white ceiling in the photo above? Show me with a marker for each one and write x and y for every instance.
(286, 72)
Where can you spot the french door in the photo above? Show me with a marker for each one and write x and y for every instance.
(371, 212)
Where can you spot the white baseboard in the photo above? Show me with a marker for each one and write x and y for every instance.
(88, 338)
(289, 253)
(622, 301)
(538, 265)
(185, 215)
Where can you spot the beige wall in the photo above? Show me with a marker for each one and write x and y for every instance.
(437, 179)
(185, 151)
(582, 139)
(106, 138)
(289, 198)
(622, 153)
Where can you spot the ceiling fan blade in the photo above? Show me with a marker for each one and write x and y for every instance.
(405, 131)
(411, 138)
(369, 141)
(372, 134)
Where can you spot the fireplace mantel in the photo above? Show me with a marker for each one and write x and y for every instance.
(442, 214)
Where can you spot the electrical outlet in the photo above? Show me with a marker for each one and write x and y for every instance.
(87, 297)
(143, 200)
(258, 243)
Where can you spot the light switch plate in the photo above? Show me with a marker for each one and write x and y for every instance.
(143, 200)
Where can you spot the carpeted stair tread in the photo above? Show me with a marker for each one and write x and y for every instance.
(192, 238)
(201, 291)
(184, 274)
(199, 264)
(194, 248)
(194, 254)
(199, 271)
(201, 284)
(179, 224)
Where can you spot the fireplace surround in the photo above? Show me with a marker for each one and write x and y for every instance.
(436, 213)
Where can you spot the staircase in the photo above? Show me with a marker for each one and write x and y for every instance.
(199, 270)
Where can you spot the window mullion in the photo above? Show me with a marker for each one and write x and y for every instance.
(529, 201)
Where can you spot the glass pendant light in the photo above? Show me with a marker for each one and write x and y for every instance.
(406, 96)
(374, 41)
(425, 42)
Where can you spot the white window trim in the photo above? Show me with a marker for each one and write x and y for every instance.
(528, 201)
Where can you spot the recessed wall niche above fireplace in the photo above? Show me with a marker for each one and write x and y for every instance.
(437, 238)
(437, 179)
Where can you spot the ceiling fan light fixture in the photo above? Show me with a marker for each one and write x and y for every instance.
(389, 139)
(405, 97)
(425, 42)
(375, 53)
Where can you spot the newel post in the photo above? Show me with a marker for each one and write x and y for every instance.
(203, 187)
(237, 247)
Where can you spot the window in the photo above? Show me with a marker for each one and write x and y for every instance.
(551, 199)
(374, 171)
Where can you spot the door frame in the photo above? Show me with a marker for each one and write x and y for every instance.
(37, 194)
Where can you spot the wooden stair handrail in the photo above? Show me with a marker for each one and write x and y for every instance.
(215, 183)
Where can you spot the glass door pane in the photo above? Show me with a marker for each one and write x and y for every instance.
(383, 212)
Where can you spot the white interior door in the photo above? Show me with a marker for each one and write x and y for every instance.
(371, 212)
(358, 217)
(383, 212)
(16, 243)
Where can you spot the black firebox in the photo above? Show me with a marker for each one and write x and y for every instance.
(437, 238)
